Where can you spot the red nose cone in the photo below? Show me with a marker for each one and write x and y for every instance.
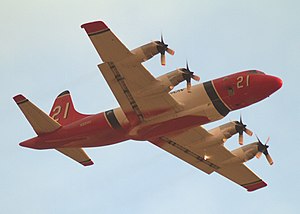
(274, 83)
(278, 83)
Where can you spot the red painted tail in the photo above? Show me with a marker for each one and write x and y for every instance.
(63, 110)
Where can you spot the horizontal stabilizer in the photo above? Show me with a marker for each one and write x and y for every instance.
(77, 154)
(39, 120)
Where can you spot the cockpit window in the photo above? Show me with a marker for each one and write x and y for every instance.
(255, 72)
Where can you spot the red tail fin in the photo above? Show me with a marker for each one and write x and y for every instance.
(63, 110)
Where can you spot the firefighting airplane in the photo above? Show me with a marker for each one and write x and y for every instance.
(150, 111)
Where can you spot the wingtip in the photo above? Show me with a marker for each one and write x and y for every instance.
(20, 99)
(94, 27)
(87, 163)
(256, 186)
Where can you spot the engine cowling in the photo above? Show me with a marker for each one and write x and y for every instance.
(171, 79)
(247, 152)
(146, 52)
(220, 134)
(225, 131)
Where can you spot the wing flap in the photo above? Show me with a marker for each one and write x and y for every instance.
(185, 155)
(139, 94)
(77, 154)
(118, 85)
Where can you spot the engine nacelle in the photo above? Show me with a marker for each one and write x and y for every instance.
(247, 152)
(225, 131)
(146, 52)
(171, 79)
(219, 135)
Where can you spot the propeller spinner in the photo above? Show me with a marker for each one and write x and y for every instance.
(263, 149)
(188, 75)
(241, 128)
(162, 49)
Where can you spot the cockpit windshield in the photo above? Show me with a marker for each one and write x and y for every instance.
(255, 72)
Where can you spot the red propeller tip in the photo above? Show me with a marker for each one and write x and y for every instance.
(197, 78)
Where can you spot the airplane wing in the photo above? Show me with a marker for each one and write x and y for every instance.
(77, 154)
(190, 147)
(140, 95)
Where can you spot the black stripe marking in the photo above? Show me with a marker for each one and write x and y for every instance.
(217, 102)
(23, 101)
(86, 161)
(99, 32)
(252, 183)
(63, 93)
(111, 117)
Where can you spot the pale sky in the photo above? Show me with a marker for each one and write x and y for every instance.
(44, 51)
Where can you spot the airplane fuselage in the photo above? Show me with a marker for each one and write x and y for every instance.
(208, 102)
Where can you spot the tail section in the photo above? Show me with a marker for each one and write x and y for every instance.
(62, 113)
(39, 120)
(63, 110)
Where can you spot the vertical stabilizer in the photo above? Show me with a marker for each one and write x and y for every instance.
(63, 110)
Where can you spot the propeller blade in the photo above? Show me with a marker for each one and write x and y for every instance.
(187, 66)
(258, 139)
(163, 59)
(263, 149)
(241, 128)
(248, 132)
(268, 139)
(241, 139)
(258, 155)
(188, 75)
(170, 51)
(195, 77)
(241, 121)
(189, 86)
(269, 159)
(162, 48)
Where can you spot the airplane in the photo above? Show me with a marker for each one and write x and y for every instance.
(150, 111)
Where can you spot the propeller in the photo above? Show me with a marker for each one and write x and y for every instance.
(162, 49)
(263, 149)
(241, 128)
(188, 75)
